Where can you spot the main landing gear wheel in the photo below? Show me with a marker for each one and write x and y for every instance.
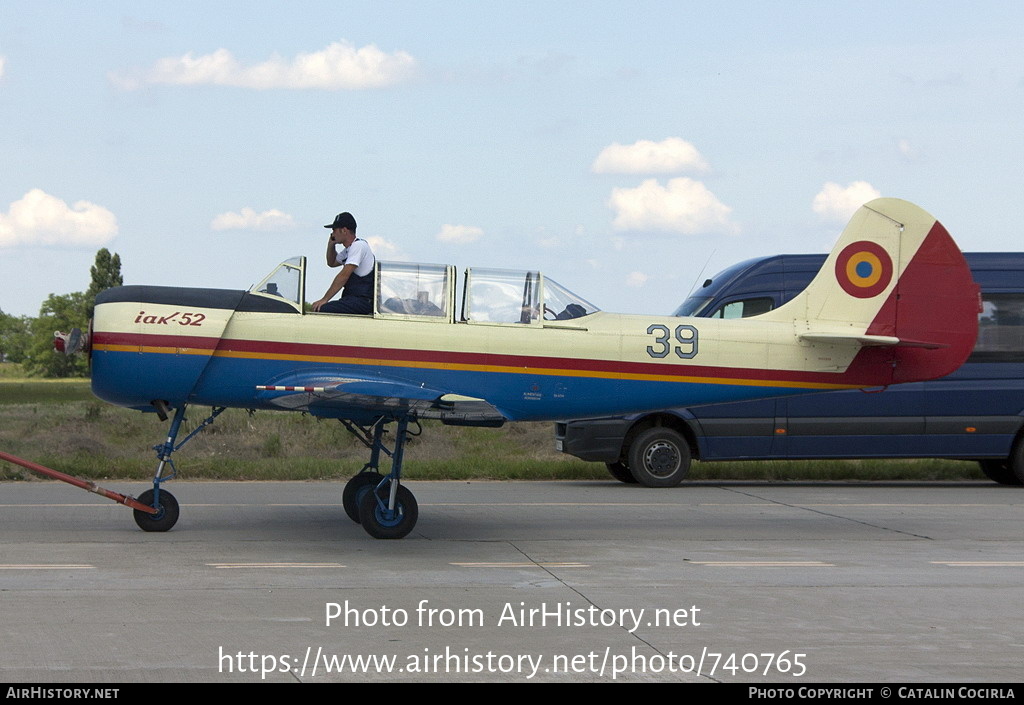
(659, 457)
(620, 472)
(164, 519)
(358, 486)
(382, 523)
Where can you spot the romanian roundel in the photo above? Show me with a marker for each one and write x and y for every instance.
(864, 269)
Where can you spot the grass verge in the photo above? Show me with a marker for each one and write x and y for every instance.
(92, 439)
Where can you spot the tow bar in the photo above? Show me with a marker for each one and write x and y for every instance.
(79, 482)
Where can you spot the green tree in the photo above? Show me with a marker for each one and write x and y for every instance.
(15, 337)
(59, 312)
(62, 312)
(105, 273)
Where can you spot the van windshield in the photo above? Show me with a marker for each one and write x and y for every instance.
(692, 306)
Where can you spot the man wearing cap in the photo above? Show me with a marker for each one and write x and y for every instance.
(356, 275)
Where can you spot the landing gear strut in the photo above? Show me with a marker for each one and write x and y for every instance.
(385, 508)
(155, 509)
(161, 500)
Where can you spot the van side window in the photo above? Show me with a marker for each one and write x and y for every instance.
(744, 308)
(1000, 329)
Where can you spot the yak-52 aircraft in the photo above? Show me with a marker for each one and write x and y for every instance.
(894, 302)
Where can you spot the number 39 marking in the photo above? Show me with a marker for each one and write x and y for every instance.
(685, 335)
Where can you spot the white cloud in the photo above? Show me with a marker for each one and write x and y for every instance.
(838, 203)
(385, 249)
(340, 66)
(3, 63)
(636, 279)
(683, 206)
(461, 234)
(672, 155)
(248, 219)
(41, 219)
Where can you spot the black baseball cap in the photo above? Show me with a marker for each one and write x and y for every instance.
(343, 220)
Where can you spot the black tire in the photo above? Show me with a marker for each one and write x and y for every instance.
(355, 488)
(1016, 461)
(999, 471)
(620, 472)
(659, 457)
(162, 520)
(377, 524)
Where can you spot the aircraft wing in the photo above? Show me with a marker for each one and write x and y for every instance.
(361, 397)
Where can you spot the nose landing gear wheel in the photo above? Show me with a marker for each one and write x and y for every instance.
(164, 519)
(382, 523)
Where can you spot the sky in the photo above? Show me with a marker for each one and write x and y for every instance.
(628, 150)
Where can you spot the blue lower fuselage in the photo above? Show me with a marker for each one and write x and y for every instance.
(136, 379)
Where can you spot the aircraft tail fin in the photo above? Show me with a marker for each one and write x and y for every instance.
(896, 285)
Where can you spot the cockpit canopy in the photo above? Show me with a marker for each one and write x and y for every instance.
(428, 292)
(287, 282)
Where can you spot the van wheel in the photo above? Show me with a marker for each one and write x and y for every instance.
(620, 472)
(1016, 461)
(999, 471)
(659, 457)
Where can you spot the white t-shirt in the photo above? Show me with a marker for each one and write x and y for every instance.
(359, 254)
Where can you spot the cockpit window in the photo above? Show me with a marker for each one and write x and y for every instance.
(506, 296)
(406, 289)
(560, 304)
(502, 296)
(286, 282)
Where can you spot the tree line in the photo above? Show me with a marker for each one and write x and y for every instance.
(29, 341)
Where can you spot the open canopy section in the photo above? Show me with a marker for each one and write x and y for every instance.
(286, 283)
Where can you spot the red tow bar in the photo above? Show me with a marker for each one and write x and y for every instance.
(78, 482)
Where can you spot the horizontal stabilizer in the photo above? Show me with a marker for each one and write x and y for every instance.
(868, 340)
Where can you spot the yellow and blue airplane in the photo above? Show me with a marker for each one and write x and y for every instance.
(894, 302)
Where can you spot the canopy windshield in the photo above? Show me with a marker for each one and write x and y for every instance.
(561, 304)
(286, 282)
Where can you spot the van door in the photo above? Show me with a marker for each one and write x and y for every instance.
(737, 431)
(863, 424)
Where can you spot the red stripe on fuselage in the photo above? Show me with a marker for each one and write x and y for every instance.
(190, 342)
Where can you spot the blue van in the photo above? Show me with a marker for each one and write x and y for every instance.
(976, 413)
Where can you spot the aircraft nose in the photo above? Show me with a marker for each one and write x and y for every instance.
(153, 343)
